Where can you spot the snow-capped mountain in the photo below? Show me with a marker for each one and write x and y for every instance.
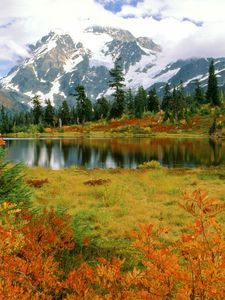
(57, 64)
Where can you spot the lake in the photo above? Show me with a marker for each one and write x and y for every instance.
(115, 152)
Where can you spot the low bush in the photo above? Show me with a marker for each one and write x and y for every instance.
(37, 183)
(95, 182)
(153, 164)
(33, 258)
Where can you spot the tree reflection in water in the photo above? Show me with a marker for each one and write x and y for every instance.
(110, 153)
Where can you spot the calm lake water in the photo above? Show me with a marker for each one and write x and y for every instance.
(118, 152)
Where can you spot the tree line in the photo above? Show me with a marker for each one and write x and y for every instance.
(175, 104)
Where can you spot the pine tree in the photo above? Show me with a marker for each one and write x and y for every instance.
(129, 99)
(64, 113)
(178, 102)
(222, 98)
(140, 102)
(37, 110)
(49, 113)
(167, 100)
(116, 82)
(5, 121)
(84, 105)
(212, 94)
(198, 95)
(153, 101)
(101, 108)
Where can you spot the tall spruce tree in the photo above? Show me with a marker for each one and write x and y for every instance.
(130, 109)
(37, 111)
(178, 102)
(5, 121)
(49, 113)
(153, 101)
(212, 93)
(101, 108)
(198, 95)
(140, 102)
(167, 100)
(64, 113)
(84, 105)
(116, 82)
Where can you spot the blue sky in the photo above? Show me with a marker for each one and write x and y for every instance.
(5, 65)
(115, 6)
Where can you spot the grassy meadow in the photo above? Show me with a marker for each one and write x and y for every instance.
(107, 204)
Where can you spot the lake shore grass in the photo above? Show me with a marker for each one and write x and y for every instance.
(103, 134)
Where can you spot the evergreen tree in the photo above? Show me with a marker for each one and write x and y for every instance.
(140, 102)
(101, 108)
(212, 94)
(12, 186)
(73, 115)
(64, 113)
(49, 113)
(222, 97)
(178, 102)
(198, 95)
(84, 105)
(116, 82)
(167, 102)
(5, 121)
(153, 101)
(37, 110)
(129, 100)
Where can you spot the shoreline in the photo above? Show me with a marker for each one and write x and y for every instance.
(102, 135)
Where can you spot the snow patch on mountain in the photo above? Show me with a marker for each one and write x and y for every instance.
(71, 63)
(57, 64)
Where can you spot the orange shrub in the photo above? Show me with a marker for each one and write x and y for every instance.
(191, 268)
(37, 183)
(2, 142)
(28, 246)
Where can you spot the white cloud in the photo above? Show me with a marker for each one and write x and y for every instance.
(166, 21)
(173, 24)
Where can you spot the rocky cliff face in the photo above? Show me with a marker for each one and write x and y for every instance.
(57, 64)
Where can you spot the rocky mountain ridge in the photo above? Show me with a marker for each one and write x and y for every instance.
(57, 64)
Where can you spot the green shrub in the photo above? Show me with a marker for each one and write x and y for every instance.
(40, 128)
(12, 186)
(153, 164)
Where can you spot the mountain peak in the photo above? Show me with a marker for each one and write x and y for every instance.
(51, 40)
(115, 33)
(148, 43)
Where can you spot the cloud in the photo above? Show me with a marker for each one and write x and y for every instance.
(184, 28)
(187, 28)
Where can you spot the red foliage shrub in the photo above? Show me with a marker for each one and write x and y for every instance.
(191, 268)
(37, 183)
(95, 182)
(28, 246)
(2, 142)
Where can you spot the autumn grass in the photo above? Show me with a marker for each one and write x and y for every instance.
(107, 213)
(125, 198)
